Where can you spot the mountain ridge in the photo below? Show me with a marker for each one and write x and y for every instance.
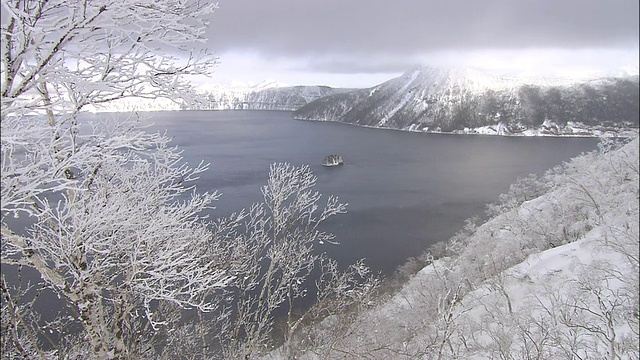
(268, 98)
(453, 99)
(266, 95)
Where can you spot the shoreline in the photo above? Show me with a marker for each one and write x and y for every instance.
(630, 132)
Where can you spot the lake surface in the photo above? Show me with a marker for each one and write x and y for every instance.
(405, 190)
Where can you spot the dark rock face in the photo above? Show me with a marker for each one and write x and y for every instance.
(431, 99)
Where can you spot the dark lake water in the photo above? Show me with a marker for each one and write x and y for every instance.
(405, 190)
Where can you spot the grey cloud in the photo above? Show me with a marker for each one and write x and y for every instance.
(351, 65)
(366, 29)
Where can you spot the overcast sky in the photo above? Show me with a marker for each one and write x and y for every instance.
(359, 43)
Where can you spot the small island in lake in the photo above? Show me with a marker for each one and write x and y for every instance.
(332, 160)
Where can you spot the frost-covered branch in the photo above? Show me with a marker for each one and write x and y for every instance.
(104, 213)
(276, 241)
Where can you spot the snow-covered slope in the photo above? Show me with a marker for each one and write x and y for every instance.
(449, 99)
(266, 95)
(552, 275)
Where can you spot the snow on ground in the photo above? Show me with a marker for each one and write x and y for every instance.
(394, 110)
(548, 128)
(576, 293)
(552, 275)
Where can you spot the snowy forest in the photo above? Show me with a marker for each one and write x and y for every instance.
(106, 253)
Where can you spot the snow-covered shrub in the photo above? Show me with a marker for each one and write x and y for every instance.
(552, 276)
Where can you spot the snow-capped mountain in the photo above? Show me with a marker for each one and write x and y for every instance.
(465, 100)
(264, 96)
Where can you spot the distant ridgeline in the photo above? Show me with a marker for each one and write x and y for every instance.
(274, 98)
(463, 100)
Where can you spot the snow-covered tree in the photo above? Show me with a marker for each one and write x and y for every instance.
(103, 215)
(553, 274)
(275, 241)
(108, 228)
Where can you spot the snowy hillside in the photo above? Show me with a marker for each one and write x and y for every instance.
(553, 274)
(266, 95)
(263, 97)
(464, 100)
